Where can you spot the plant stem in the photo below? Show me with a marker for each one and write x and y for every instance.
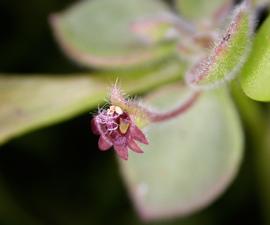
(183, 107)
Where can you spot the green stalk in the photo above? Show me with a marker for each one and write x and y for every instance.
(257, 127)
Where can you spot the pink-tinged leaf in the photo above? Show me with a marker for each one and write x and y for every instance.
(204, 12)
(228, 54)
(189, 161)
(104, 144)
(96, 33)
(161, 28)
(154, 30)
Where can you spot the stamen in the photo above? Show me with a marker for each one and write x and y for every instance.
(114, 109)
(118, 110)
(123, 126)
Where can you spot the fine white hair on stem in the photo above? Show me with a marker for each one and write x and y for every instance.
(212, 63)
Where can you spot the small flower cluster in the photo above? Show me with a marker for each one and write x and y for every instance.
(117, 128)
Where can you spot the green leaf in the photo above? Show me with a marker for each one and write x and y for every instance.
(198, 10)
(98, 32)
(228, 54)
(261, 3)
(30, 102)
(190, 160)
(255, 78)
(257, 126)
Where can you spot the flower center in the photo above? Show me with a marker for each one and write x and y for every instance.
(114, 109)
(123, 125)
(121, 119)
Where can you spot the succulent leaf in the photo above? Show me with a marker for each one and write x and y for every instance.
(200, 12)
(190, 160)
(255, 79)
(96, 33)
(228, 54)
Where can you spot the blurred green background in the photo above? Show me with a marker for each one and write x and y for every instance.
(57, 176)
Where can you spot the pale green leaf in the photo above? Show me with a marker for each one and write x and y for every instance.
(229, 53)
(98, 32)
(30, 102)
(255, 76)
(190, 160)
(203, 10)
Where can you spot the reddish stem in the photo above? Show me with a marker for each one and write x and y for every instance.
(160, 117)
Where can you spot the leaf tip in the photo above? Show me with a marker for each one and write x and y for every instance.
(229, 53)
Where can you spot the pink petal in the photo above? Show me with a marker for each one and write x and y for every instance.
(138, 135)
(103, 143)
(122, 151)
(134, 146)
(94, 126)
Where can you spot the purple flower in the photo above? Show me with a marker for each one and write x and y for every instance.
(117, 129)
(118, 126)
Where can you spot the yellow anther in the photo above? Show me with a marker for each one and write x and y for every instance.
(114, 109)
(118, 110)
(123, 126)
